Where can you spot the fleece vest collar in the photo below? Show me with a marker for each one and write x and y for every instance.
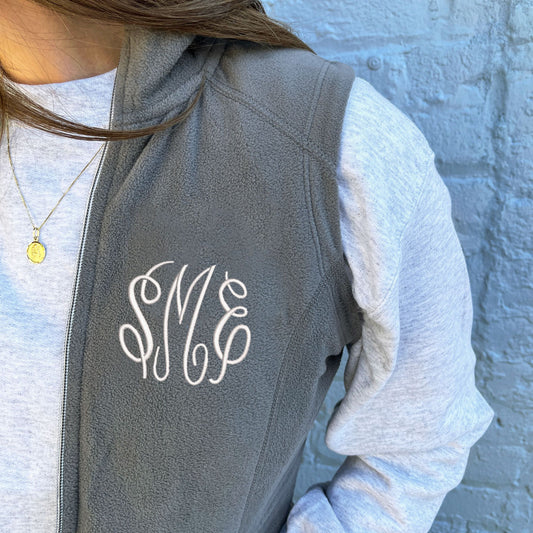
(179, 63)
(212, 299)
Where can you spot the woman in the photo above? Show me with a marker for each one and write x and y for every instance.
(177, 292)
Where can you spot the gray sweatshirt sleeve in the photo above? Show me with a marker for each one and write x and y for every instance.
(411, 410)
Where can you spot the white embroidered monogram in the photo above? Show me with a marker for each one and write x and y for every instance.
(144, 339)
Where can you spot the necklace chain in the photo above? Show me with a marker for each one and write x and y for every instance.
(35, 227)
(36, 251)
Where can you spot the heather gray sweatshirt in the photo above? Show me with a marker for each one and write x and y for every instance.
(467, 425)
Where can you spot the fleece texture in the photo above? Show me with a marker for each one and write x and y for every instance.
(213, 299)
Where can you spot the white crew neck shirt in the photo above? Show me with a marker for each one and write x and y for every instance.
(35, 298)
(35, 303)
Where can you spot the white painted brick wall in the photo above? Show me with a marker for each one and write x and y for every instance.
(463, 71)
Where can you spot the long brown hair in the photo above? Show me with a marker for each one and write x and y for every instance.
(223, 19)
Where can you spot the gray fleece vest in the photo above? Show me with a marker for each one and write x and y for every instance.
(212, 299)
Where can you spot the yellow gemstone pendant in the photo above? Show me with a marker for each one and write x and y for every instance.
(36, 252)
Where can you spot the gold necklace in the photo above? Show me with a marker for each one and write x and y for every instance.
(36, 252)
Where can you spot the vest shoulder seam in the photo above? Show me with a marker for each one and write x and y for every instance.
(299, 138)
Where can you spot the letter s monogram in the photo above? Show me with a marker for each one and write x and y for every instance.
(145, 352)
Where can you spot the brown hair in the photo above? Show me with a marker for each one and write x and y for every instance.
(224, 19)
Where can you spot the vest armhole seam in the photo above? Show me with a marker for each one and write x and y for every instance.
(317, 93)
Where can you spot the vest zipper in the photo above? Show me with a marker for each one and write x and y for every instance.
(68, 335)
